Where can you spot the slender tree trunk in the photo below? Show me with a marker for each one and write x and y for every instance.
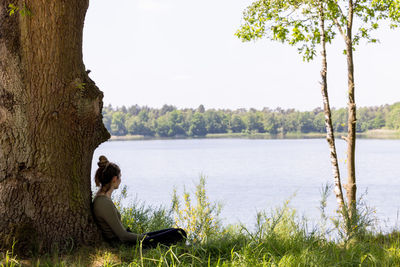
(351, 187)
(330, 137)
(50, 124)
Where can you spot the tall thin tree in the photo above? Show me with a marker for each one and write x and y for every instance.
(300, 23)
(330, 136)
(367, 14)
(295, 22)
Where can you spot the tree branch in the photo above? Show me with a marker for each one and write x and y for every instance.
(340, 10)
(335, 20)
(339, 28)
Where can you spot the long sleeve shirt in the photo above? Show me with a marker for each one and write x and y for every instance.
(109, 220)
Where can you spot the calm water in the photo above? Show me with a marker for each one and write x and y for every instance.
(253, 175)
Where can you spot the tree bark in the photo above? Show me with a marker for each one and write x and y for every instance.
(330, 137)
(50, 124)
(351, 186)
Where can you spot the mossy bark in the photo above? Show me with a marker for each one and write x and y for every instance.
(50, 124)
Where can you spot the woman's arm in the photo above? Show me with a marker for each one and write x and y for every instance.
(110, 216)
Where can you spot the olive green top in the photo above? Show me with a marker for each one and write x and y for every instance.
(109, 220)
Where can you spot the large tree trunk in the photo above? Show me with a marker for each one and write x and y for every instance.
(50, 124)
(351, 187)
(330, 137)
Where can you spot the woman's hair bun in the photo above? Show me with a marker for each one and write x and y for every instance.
(102, 161)
(105, 173)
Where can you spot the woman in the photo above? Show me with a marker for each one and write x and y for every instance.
(108, 177)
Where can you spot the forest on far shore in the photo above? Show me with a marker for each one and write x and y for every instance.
(169, 121)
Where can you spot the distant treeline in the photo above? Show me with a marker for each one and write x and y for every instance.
(169, 121)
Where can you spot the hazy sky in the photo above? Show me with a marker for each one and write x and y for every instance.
(184, 53)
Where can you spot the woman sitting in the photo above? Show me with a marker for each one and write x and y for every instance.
(108, 177)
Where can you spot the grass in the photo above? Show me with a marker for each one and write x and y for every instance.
(236, 250)
(279, 238)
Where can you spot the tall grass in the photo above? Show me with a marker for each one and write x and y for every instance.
(280, 238)
(8, 259)
(200, 218)
(141, 218)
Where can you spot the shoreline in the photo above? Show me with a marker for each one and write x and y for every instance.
(372, 134)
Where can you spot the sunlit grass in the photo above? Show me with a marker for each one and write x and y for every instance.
(279, 238)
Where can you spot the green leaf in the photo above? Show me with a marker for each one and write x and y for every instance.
(25, 11)
(12, 9)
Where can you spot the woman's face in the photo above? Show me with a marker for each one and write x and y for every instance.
(117, 181)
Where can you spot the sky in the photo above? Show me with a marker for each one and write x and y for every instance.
(184, 53)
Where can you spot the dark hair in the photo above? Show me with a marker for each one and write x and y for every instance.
(104, 174)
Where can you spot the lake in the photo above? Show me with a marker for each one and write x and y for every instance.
(248, 175)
